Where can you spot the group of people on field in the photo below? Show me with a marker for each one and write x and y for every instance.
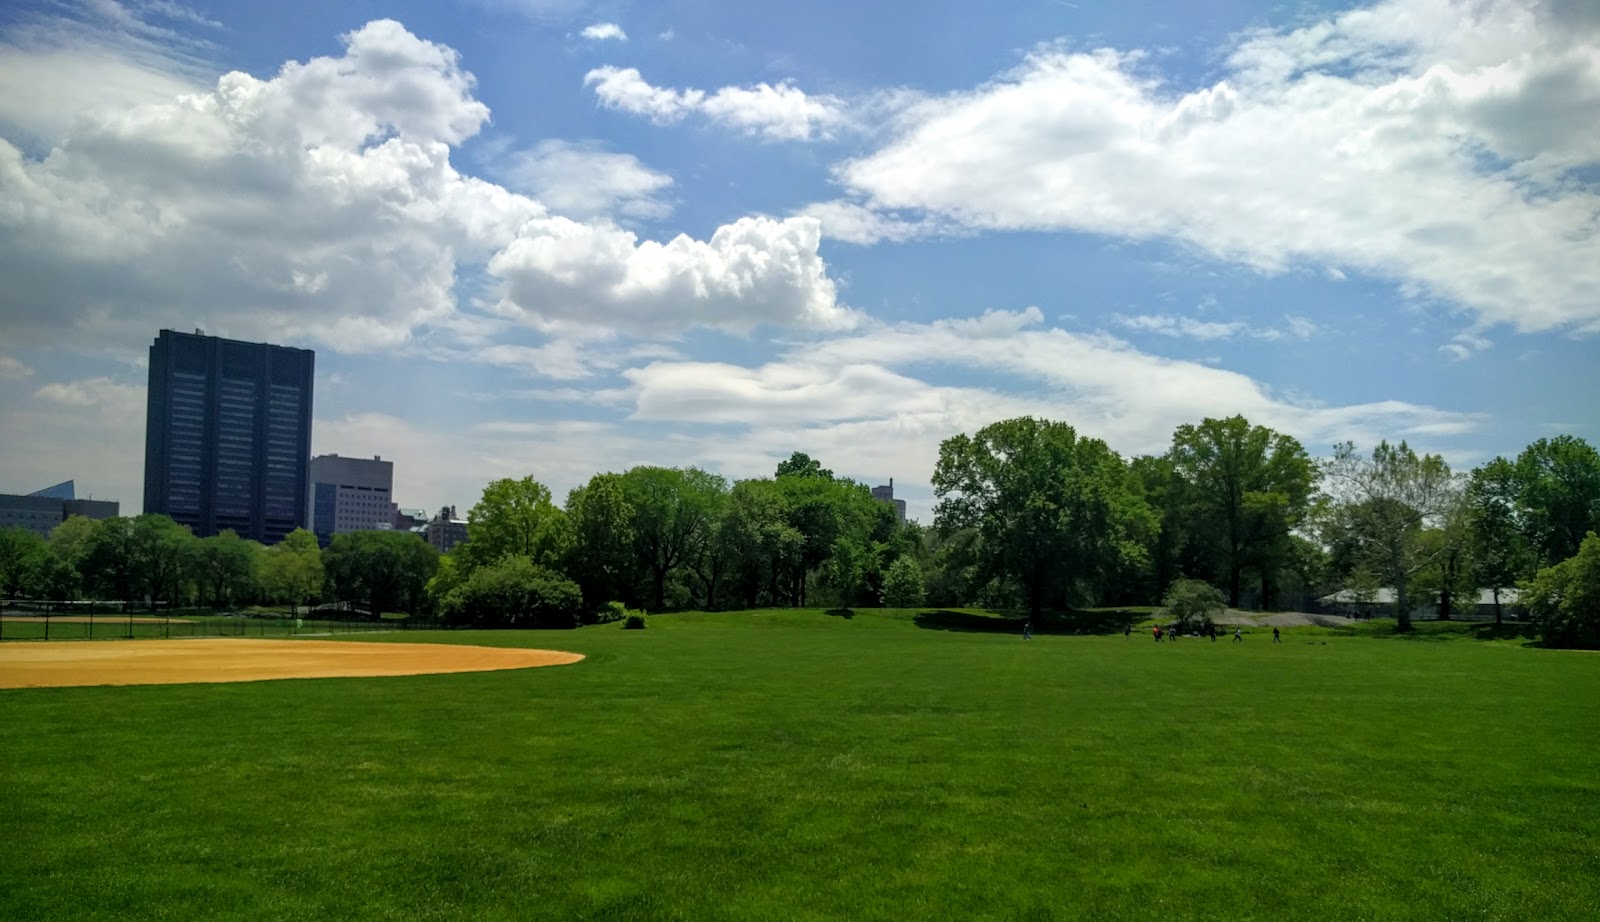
(1160, 633)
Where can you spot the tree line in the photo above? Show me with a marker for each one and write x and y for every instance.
(1029, 515)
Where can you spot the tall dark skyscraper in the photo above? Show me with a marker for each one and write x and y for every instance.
(228, 435)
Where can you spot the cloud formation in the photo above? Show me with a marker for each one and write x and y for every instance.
(775, 112)
(1428, 142)
(583, 180)
(605, 31)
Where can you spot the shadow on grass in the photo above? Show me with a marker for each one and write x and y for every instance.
(1444, 631)
(1113, 621)
(844, 613)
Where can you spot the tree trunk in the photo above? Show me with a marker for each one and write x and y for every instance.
(1444, 604)
(1235, 574)
(661, 587)
(1497, 621)
(1402, 610)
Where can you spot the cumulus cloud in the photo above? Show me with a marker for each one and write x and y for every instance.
(1465, 345)
(850, 222)
(320, 204)
(605, 31)
(1429, 142)
(752, 272)
(583, 180)
(776, 112)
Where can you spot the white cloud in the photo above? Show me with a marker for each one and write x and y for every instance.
(91, 392)
(86, 430)
(1465, 345)
(752, 272)
(1430, 142)
(605, 31)
(853, 223)
(321, 205)
(777, 112)
(878, 403)
(583, 180)
(12, 369)
(1178, 326)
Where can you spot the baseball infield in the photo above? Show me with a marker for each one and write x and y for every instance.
(171, 662)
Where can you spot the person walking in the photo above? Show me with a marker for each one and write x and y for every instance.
(1238, 635)
(1275, 636)
(1127, 631)
(1156, 632)
(1213, 633)
(1027, 629)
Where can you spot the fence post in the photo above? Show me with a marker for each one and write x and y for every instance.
(47, 624)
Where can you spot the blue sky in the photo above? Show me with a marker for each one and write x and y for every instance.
(556, 237)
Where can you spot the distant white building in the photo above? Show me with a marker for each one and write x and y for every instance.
(1384, 599)
(350, 494)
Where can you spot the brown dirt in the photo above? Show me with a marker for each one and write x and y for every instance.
(97, 619)
(170, 662)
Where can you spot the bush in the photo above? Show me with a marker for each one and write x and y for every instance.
(635, 622)
(514, 592)
(609, 613)
(1193, 604)
(1565, 599)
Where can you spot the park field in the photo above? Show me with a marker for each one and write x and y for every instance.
(809, 765)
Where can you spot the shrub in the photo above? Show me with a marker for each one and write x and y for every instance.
(610, 612)
(1193, 604)
(635, 622)
(515, 592)
(1565, 599)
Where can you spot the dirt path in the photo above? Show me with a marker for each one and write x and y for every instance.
(1280, 619)
(169, 662)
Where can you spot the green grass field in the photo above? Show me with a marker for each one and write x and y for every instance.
(793, 765)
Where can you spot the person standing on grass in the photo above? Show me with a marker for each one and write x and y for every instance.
(1238, 635)
(1213, 633)
(1027, 629)
(1156, 633)
(1127, 631)
(1275, 636)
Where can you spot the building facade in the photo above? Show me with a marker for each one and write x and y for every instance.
(350, 494)
(886, 495)
(41, 512)
(445, 530)
(228, 435)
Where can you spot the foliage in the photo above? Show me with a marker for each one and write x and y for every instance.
(634, 622)
(225, 567)
(1050, 510)
(1558, 495)
(161, 552)
(1384, 504)
(516, 517)
(380, 570)
(20, 551)
(602, 558)
(514, 593)
(672, 507)
(1193, 604)
(902, 585)
(800, 464)
(1244, 490)
(1498, 541)
(291, 570)
(1565, 599)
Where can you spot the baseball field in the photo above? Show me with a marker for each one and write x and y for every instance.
(807, 765)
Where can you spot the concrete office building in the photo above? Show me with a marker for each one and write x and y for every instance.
(886, 495)
(42, 511)
(228, 435)
(350, 494)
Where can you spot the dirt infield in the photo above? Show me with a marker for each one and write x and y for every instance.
(172, 662)
(85, 619)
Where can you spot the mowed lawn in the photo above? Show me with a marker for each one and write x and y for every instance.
(792, 765)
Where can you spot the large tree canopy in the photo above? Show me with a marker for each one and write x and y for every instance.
(516, 517)
(1558, 490)
(1245, 489)
(1049, 508)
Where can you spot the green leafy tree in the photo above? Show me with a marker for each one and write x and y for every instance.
(902, 585)
(20, 551)
(1194, 604)
(162, 551)
(801, 464)
(1050, 509)
(1559, 495)
(514, 593)
(51, 577)
(672, 508)
(72, 540)
(225, 566)
(291, 570)
(1245, 490)
(1386, 502)
(517, 518)
(602, 558)
(109, 566)
(1565, 599)
(380, 570)
(1498, 539)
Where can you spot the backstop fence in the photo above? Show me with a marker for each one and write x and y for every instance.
(88, 624)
